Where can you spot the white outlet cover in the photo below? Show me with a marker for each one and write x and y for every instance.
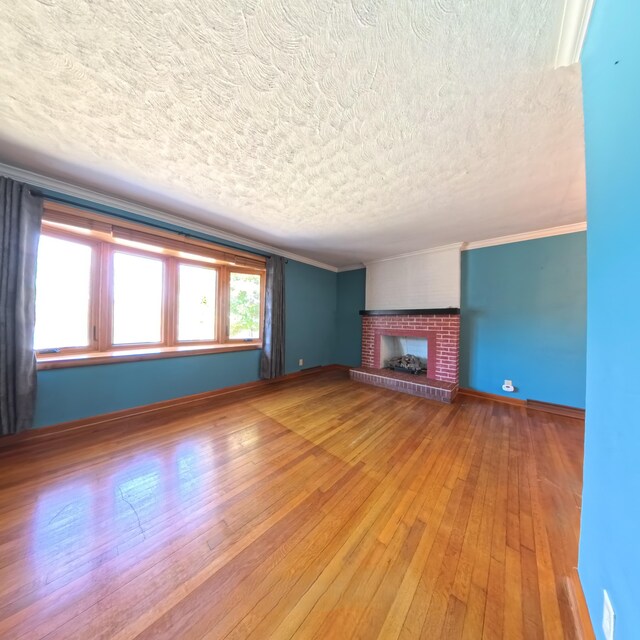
(608, 617)
(508, 386)
(300, 362)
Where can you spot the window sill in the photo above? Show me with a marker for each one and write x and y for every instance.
(58, 361)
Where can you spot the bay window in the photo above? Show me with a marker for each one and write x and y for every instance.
(113, 290)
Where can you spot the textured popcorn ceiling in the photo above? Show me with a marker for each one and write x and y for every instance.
(345, 131)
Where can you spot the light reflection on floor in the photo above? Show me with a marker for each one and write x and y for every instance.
(87, 518)
(63, 526)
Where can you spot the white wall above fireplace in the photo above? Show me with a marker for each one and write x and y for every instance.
(421, 280)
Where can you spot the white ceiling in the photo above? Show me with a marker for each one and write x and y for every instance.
(343, 130)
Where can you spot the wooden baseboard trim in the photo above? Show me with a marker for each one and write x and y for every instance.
(184, 401)
(518, 402)
(333, 367)
(578, 606)
(557, 409)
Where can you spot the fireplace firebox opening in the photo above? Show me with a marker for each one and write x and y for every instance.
(404, 353)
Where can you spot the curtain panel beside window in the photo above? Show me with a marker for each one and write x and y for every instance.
(20, 219)
(272, 358)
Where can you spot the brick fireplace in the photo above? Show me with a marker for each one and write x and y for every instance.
(440, 328)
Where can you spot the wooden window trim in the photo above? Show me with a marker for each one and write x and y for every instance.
(114, 229)
(94, 288)
(263, 284)
(106, 312)
(64, 361)
(106, 237)
(174, 308)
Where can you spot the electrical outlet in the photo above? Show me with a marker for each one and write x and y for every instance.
(301, 362)
(608, 617)
(508, 386)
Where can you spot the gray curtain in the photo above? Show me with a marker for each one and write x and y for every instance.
(20, 217)
(272, 359)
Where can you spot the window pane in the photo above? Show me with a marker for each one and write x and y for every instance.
(244, 306)
(137, 299)
(196, 303)
(63, 288)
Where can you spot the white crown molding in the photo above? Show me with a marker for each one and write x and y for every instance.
(444, 247)
(529, 235)
(490, 242)
(575, 22)
(351, 267)
(43, 182)
(68, 189)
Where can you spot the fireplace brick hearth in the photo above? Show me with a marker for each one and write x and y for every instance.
(442, 332)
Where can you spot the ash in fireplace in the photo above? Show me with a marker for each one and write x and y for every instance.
(407, 363)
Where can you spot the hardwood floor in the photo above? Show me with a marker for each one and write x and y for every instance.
(316, 508)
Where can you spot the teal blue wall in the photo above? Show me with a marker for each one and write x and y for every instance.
(609, 545)
(69, 394)
(523, 317)
(351, 299)
(310, 333)
(310, 316)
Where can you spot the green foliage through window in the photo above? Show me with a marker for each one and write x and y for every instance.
(244, 306)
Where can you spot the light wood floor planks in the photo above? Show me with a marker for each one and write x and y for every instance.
(315, 508)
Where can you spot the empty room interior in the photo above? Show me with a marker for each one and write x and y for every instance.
(307, 319)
